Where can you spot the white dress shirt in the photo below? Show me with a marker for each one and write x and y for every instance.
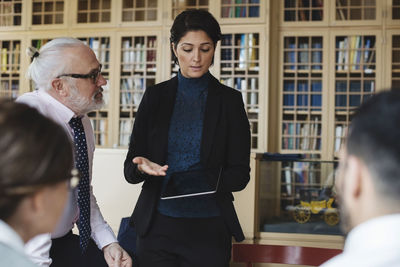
(12, 248)
(102, 234)
(374, 243)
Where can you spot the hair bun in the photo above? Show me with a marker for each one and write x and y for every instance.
(32, 52)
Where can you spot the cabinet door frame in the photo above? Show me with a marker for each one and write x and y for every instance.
(325, 71)
(362, 22)
(263, 94)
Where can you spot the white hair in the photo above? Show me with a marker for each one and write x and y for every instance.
(50, 61)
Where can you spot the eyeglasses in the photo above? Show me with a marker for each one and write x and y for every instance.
(94, 75)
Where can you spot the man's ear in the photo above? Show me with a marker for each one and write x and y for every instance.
(355, 169)
(59, 88)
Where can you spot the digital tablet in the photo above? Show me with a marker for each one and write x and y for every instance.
(191, 183)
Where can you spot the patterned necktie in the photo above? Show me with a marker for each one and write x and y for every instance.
(82, 164)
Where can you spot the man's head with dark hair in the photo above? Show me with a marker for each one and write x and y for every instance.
(35, 154)
(369, 172)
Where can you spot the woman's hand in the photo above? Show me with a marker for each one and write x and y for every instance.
(149, 167)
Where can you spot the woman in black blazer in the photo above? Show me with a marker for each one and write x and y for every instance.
(189, 126)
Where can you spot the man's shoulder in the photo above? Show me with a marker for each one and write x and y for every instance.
(33, 99)
(11, 257)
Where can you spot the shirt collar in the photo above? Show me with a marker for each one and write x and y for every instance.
(65, 113)
(378, 232)
(10, 237)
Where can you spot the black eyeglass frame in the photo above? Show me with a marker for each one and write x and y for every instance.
(94, 75)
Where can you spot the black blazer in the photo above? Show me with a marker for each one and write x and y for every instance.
(225, 144)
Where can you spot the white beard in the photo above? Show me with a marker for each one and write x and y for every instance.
(83, 105)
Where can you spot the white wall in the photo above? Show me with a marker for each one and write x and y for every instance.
(115, 196)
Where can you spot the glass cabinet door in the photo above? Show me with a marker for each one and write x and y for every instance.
(297, 195)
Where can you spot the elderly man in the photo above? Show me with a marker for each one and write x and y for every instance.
(68, 80)
(369, 185)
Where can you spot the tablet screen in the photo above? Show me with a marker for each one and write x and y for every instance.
(190, 183)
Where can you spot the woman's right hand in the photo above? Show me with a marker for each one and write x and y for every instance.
(149, 167)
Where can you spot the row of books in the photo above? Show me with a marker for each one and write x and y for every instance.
(340, 133)
(299, 57)
(248, 87)
(134, 55)
(132, 90)
(302, 136)
(355, 53)
(125, 130)
(240, 8)
(301, 10)
(241, 48)
(9, 89)
(297, 175)
(10, 58)
(100, 130)
(354, 94)
(307, 93)
(101, 48)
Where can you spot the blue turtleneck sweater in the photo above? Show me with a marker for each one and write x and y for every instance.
(184, 142)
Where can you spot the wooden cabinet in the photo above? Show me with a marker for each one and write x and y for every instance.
(334, 60)
(131, 41)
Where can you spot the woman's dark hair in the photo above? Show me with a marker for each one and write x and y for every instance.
(194, 20)
(35, 152)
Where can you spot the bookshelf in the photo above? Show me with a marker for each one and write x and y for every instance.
(178, 6)
(11, 13)
(139, 10)
(240, 68)
(47, 12)
(93, 11)
(395, 66)
(138, 70)
(304, 11)
(355, 78)
(10, 60)
(301, 95)
(395, 10)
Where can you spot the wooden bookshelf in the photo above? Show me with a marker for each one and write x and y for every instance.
(395, 10)
(178, 6)
(303, 10)
(355, 79)
(139, 10)
(10, 60)
(240, 8)
(93, 11)
(11, 13)
(47, 12)
(395, 61)
(240, 68)
(138, 70)
(301, 94)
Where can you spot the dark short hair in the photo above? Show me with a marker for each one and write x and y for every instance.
(374, 137)
(194, 20)
(35, 152)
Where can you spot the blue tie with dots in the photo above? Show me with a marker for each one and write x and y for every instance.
(82, 164)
